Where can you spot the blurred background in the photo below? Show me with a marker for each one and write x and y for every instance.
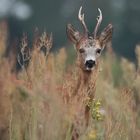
(53, 15)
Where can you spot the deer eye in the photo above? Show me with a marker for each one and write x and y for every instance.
(98, 51)
(81, 50)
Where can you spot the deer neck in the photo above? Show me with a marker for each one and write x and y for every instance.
(85, 76)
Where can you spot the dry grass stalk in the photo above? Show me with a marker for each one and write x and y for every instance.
(40, 113)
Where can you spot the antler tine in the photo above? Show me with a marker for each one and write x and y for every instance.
(99, 20)
(81, 18)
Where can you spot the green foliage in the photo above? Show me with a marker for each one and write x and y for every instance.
(117, 73)
(95, 109)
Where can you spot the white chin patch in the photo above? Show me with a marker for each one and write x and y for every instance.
(89, 69)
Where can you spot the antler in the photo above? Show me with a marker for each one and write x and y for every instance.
(81, 18)
(99, 20)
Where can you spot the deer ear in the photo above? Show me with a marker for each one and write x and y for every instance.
(106, 35)
(73, 34)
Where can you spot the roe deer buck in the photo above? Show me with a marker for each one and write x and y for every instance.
(89, 47)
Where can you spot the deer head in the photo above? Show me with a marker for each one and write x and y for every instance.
(89, 45)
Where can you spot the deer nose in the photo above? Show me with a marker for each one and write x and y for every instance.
(90, 63)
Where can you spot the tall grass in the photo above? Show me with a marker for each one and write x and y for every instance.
(37, 104)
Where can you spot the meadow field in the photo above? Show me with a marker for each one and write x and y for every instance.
(36, 100)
